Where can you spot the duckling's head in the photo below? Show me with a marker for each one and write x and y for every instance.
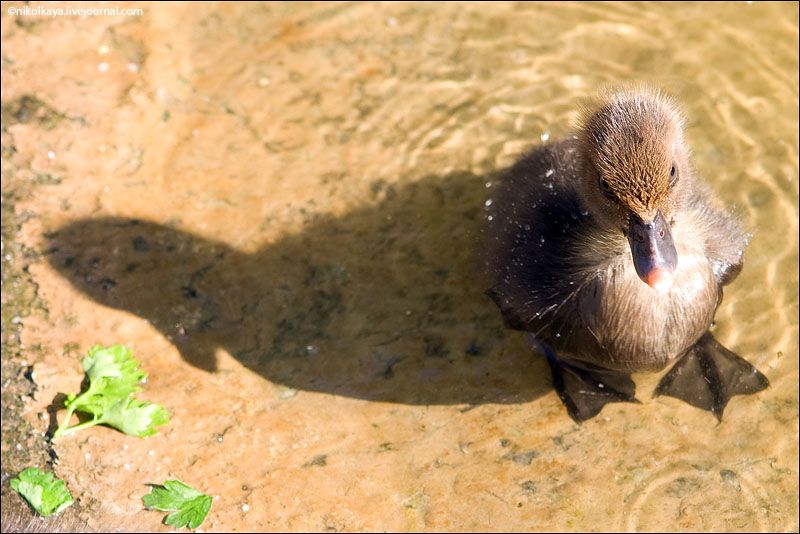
(636, 175)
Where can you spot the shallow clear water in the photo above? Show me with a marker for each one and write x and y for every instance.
(310, 182)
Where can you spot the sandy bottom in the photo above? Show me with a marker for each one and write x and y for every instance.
(279, 208)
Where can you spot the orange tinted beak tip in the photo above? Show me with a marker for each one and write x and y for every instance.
(660, 280)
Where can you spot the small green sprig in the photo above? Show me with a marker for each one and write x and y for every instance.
(114, 376)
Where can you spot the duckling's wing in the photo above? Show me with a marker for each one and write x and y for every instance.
(535, 220)
(725, 240)
(708, 375)
(511, 317)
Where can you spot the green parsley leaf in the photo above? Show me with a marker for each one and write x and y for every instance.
(114, 367)
(188, 506)
(45, 493)
(114, 376)
(135, 417)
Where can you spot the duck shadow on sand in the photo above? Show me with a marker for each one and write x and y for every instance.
(385, 303)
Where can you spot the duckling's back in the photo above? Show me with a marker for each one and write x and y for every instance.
(534, 221)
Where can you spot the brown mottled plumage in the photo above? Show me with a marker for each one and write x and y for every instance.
(632, 140)
(607, 249)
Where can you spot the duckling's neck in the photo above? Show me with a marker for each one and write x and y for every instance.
(601, 245)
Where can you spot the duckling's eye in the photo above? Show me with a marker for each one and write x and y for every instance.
(606, 189)
(673, 175)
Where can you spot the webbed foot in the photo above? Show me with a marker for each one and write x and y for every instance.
(583, 388)
(709, 375)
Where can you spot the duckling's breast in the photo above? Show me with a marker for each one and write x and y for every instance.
(636, 328)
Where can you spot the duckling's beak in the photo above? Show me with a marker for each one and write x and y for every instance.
(653, 251)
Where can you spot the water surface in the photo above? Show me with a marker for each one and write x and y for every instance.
(279, 208)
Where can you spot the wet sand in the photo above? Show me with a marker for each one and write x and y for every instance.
(279, 208)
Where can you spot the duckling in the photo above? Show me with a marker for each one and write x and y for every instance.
(610, 253)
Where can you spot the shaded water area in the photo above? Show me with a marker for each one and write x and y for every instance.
(279, 208)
